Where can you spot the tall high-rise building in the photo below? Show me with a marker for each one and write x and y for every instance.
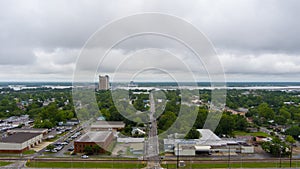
(103, 82)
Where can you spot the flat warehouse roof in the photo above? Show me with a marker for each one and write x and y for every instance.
(29, 130)
(19, 137)
(95, 136)
(108, 124)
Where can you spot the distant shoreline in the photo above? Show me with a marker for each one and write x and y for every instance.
(161, 85)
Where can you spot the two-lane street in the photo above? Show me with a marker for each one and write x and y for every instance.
(152, 149)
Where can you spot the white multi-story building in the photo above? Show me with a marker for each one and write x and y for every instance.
(103, 82)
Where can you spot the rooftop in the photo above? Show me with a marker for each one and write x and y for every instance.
(108, 124)
(19, 137)
(95, 136)
(208, 135)
(28, 130)
(208, 138)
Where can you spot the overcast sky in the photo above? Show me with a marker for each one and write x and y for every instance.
(256, 40)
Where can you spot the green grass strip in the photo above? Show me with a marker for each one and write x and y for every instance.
(4, 163)
(83, 164)
(234, 165)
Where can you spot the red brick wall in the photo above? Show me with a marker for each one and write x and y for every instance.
(79, 146)
(14, 151)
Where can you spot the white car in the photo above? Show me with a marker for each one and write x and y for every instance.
(58, 148)
(84, 156)
(64, 143)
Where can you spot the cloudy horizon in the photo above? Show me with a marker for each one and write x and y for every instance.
(255, 40)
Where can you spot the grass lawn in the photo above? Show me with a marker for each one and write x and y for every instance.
(242, 133)
(28, 152)
(82, 165)
(4, 163)
(234, 165)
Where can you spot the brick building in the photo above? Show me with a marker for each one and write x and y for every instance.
(20, 142)
(92, 138)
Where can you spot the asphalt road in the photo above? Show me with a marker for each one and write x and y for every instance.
(152, 149)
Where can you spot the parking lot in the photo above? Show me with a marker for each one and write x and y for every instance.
(63, 146)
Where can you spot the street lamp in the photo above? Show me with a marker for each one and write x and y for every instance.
(291, 155)
(280, 151)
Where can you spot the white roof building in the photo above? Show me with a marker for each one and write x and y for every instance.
(208, 142)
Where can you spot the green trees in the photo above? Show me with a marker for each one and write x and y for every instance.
(45, 106)
(201, 117)
(230, 122)
(282, 116)
(140, 101)
(193, 134)
(293, 131)
(276, 147)
(89, 149)
(290, 139)
(96, 149)
(265, 111)
(226, 125)
(241, 123)
(166, 120)
(50, 147)
(50, 115)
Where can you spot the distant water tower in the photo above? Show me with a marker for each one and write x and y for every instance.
(103, 82)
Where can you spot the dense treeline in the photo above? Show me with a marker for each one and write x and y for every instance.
(46, 106)
(269, 108)
(50, 106)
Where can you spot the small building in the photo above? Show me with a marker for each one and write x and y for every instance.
(71, 122)
(261, 139)
(185, 150)
(247, 149)
(28, 130)
(20, 142)
(208, 143)
(107, 125)
(92, 138)
(202, 149)
(130, 140)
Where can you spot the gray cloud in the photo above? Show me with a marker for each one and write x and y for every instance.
(254, 38)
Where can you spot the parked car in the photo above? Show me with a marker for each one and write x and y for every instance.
(58, 148)
(57, 144)
(64, 143)
(74, 136)
(71, 148)
(84, 156)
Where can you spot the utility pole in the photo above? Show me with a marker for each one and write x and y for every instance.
(291, 155)
(177, 155)
(280, 149)
(228, 156)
